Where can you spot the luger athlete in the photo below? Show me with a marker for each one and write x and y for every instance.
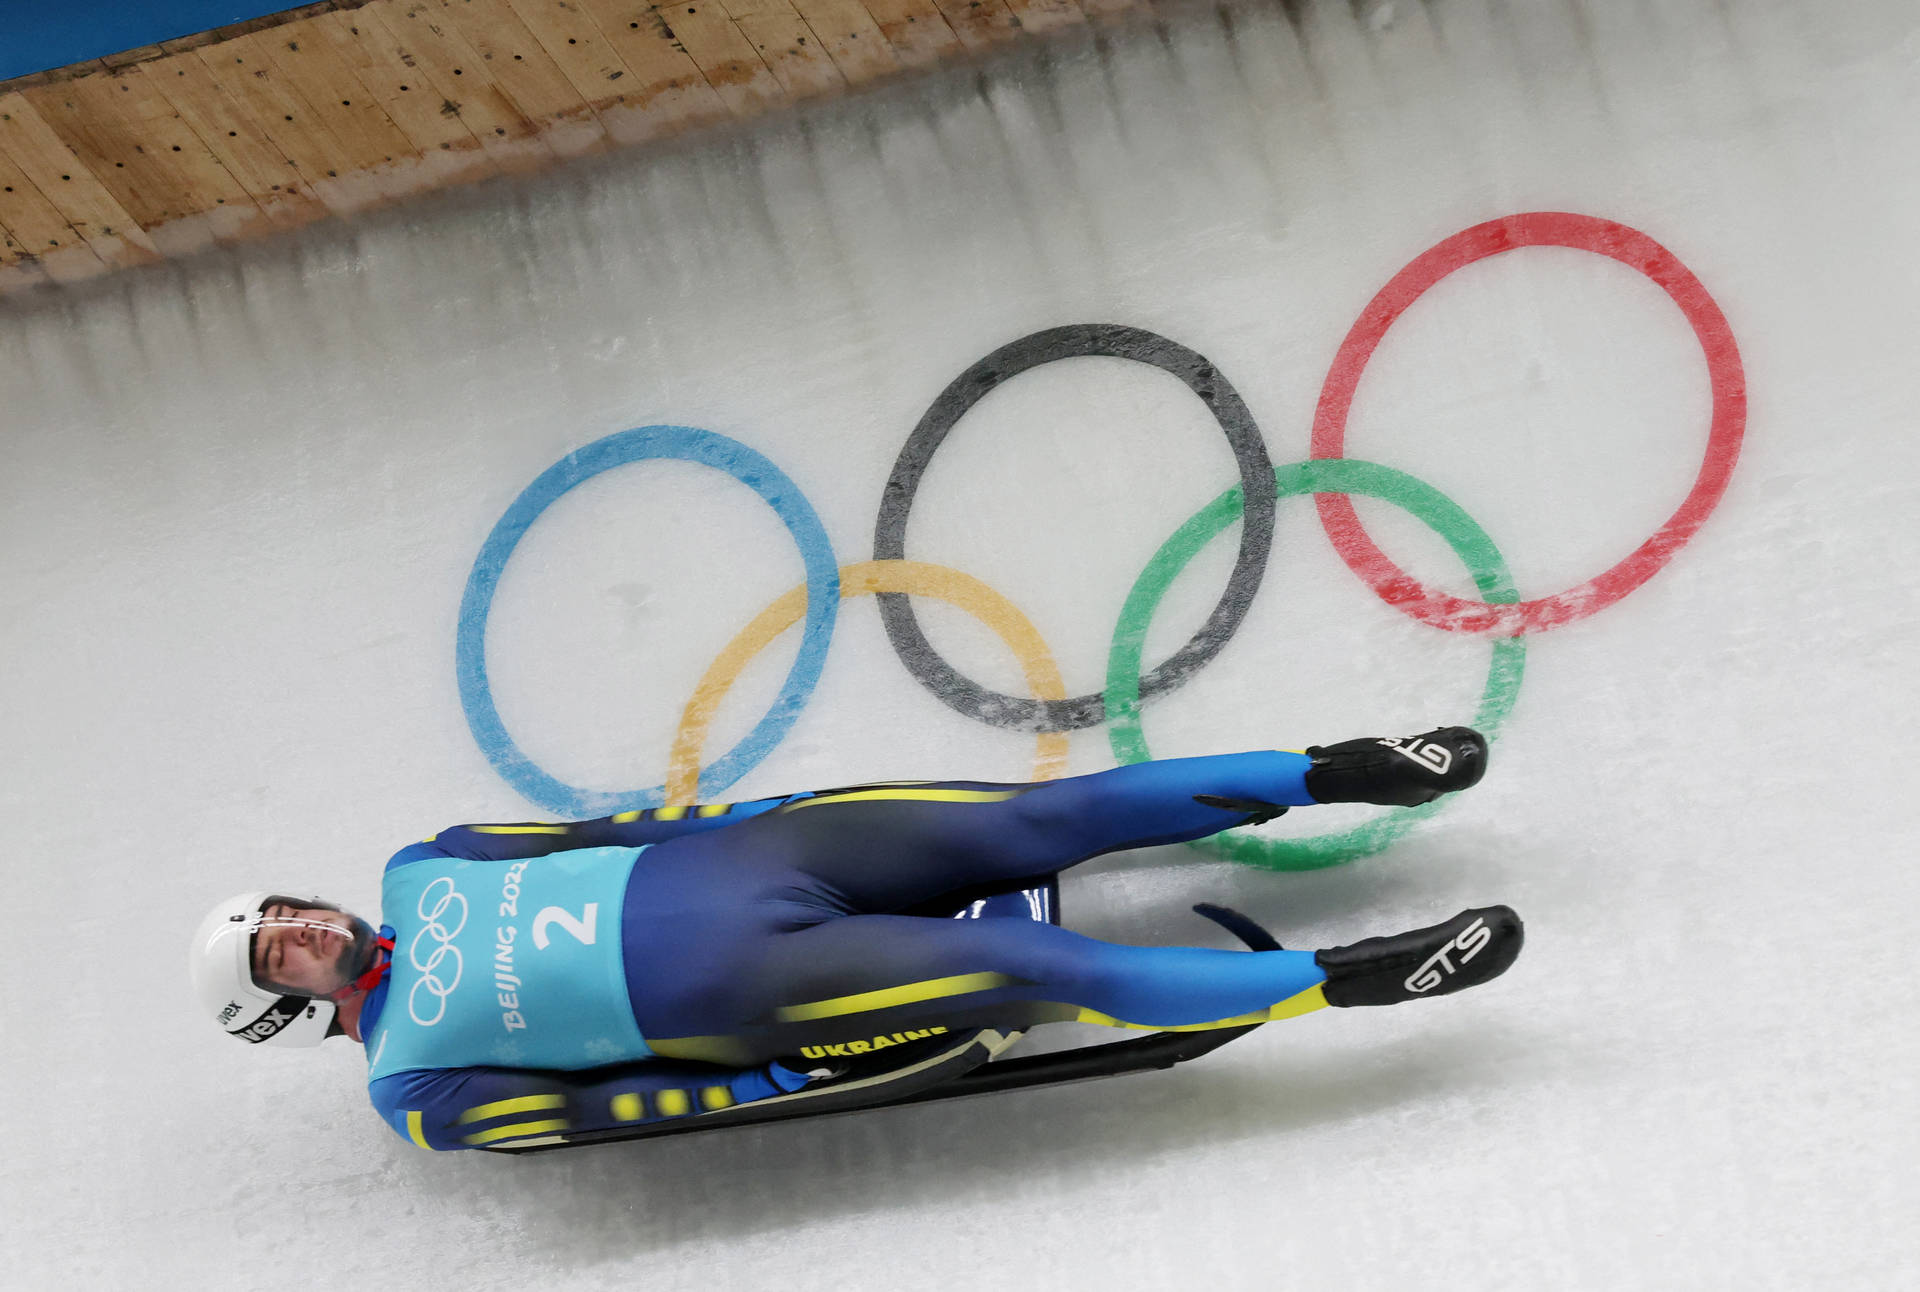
(536, 979)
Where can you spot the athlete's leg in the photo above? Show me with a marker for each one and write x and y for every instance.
(851, 980)
(861, 981)
(721, 930)
(885, 848)
(706, 917)
(880, 848)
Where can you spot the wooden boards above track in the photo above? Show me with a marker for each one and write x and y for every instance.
(343, 106)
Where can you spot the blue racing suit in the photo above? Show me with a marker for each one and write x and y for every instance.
(553, 978)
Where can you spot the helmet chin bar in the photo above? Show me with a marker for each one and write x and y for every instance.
(287, 1011)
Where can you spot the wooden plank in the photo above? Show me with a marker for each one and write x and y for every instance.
(131, 57)
(594, 64)
(253, 159)
(732, 66)
(574, 41)
(852, 38)
(1038, 17)
(527, 74)
(670, 92)
(443, 139)
(980, 24)
(348, 104)
(70, 109)
(364, 138)
(39, 228)
(353, 112)
(31, 79)
(149, 159)
(63, 107)
(229, 209)
(53, 169)
(31, 224)
(789, 48)
(916, 29)
(248, 77)
(412, 31)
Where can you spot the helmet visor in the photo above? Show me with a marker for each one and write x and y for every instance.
(302, 946)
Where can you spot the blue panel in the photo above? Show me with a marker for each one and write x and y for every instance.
(36, 35)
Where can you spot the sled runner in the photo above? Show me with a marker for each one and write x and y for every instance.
(955, 1064)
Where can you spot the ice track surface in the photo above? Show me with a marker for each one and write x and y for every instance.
(249, 505)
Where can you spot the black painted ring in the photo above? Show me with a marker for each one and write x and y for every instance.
(1108, 340)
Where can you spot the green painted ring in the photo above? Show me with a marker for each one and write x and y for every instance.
(1325, 475)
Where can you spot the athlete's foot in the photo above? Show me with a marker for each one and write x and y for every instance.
(1471, 948)
(1397, 771)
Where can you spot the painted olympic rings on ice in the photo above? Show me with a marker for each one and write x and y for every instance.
(1536, 229)
(1048, 713)
(685, 444)
(966, 390)
(1342, 476)
(957, 589)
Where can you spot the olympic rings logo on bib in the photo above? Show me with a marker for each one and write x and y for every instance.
(430, 981)
(1048, 714)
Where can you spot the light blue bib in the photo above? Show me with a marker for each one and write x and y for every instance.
(514, 965)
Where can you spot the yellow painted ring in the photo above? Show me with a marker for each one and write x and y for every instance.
(863, 578)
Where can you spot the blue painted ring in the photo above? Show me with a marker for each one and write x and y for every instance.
(685, 444)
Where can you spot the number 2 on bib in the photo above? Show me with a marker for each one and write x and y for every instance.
(581, 929)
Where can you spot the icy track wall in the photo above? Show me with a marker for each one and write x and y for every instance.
(1274, 375)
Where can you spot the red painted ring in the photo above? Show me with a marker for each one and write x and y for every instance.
(1533, 229)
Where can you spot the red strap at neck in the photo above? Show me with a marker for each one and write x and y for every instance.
(371, 978)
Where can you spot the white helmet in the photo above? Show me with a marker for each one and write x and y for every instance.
(220, 962)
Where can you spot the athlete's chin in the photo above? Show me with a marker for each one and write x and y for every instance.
(357, 956)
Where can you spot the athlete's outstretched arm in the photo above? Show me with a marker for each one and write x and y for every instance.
(517, 840)
(1134, 799)
(1130, 806)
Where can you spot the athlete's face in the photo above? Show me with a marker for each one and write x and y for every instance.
(308, 950)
